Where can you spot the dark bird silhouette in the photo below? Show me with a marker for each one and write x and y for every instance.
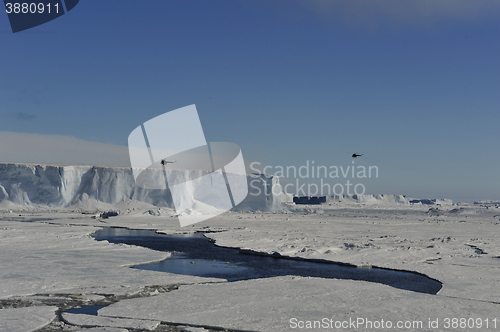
(165, 162)
(356, 155)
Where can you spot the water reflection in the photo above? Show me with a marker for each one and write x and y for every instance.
(193, 254)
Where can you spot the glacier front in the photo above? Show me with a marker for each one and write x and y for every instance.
(67, 185)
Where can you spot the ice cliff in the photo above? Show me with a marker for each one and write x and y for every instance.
(369, 199)
(63, 186)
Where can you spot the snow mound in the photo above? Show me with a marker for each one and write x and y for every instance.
(190, 212)
(200, 208)
(161, 212)
(432, 201)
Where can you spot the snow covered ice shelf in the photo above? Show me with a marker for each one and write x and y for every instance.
(282, 303)
(40, 258)
(410, 238)
(61, 257)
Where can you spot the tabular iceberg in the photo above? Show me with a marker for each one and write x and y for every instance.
(65, 185)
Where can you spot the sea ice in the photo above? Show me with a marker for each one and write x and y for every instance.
(91, 320)
(26, 319)
(55, 255)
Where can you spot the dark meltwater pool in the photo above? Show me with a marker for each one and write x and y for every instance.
(196, 255)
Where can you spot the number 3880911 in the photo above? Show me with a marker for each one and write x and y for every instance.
(31, 8)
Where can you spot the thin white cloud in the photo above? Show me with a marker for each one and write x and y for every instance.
(404, 12)
(56, 149)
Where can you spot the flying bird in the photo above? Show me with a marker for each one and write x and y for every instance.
(165, 161)
(356, 155)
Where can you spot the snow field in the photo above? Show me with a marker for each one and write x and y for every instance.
(58, 256)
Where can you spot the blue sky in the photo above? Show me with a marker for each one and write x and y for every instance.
(413, 85)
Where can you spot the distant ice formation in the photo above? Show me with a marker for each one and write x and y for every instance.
(431, 201)
(63, 186)
(486, 202)
(369, 199)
